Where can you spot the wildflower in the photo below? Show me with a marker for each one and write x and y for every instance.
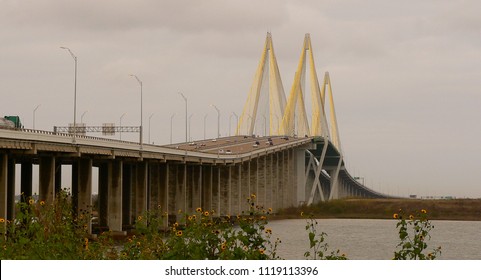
(253, 196)
(261, 251)
(189, 218)
(133, 236)
(124, 254)
(430, 255)
(223, 246)
(42, 203)
(198, 209)
(138, 244)
(179, 233)
(423, 211)
(176, 224)
(302, 214)
(139, 218)
(268, 231)
(411, 217)
(31, 201)
(2, 220)
(130, 240)
(263, 217)
(206, 213)
(395, 216)
(269, 209)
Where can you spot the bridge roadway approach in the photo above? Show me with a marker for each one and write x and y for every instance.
(213, 174)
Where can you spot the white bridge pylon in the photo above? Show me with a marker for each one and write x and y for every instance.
(289, 118)
(267, 70)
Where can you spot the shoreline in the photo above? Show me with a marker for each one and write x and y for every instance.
(452, 209)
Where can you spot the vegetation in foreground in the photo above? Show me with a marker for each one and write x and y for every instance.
(42, 231)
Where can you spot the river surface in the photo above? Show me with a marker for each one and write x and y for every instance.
(365, 239)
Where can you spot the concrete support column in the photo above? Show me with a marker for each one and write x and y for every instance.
(82, 189)
(114, 219)
(141, 189)
(58, 176)
(104, 184)
(3, 187)
(47, 179)
(26, 180)
(154, 183)
(126, 194)
(229, 192)
(10, 189)
(300, 159)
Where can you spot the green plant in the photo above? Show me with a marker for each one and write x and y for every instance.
(318, 248)
(48, 231)
(413, 235)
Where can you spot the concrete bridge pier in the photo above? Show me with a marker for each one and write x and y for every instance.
(47, 179)
(3, 187)
(11, 189)
(82, 190)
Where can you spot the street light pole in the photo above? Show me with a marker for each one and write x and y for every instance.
(205, 117)
(171, 121)
(82, 117)
(35, 110)
(190, 136)
(218, 119)
(150, 117)
(237, 122)
(74, 95)
(141, 112)
(185, 99)
(121, 125)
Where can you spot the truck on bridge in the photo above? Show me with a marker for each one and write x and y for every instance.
(10, 122)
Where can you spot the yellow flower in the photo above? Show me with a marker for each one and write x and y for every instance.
(261, 251)
(179, 233)
(269, 209)
(253, 196)
(42, 203)
(2, 220)
(206, 213)
(263, 217)
(411, 217)
(395, 216)
(302, 214)
(223, 246)
(268, 231)
(31, 201)
(198, 209)
(139, 218)
(176, 224)
(423, 211)
(124, 254)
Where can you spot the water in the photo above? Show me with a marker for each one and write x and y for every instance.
(366, 239)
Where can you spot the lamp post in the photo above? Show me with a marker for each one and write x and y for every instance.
(141, 111)
(171, 121)
(190, 135)
(185, 99)
(218, 119)
(74, 95)
(34, 111)
(205, 118)
(82, 117)
(237, 122)
(120, 129)
(265, 124)
(150, 117)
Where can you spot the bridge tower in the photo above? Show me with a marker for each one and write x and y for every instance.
(267, 75)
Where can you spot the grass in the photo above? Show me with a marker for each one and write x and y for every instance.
(455, 209)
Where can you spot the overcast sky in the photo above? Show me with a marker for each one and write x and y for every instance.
(406, 75)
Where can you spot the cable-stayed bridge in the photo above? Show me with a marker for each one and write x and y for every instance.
(295, 162)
